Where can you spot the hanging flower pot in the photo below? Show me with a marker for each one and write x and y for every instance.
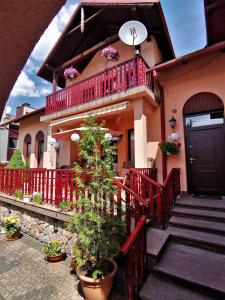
(110, 53)
(71, 73)
(170, 148)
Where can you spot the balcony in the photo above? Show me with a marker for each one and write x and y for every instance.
(120, 78)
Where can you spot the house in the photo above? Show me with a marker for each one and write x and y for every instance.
(32, 137)
(138, 95)
(10, 131)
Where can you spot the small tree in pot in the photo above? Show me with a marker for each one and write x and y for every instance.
(95, 224)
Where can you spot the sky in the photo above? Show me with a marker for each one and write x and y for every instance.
(185, 21)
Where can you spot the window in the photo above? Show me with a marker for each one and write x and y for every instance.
(40, 146)
(27, 146)
(211, 118)
(13, 143)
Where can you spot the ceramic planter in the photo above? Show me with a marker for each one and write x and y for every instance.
(12, 237)
(26, 199)
(98, 289)
(56, 258)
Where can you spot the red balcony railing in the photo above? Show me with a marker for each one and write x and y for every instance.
(119, 78)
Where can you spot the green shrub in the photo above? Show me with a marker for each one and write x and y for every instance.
(18, 194)
(64, 204)
(11, 224)
(37, 199)
(16, 161)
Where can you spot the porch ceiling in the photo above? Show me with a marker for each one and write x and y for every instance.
(65, 135)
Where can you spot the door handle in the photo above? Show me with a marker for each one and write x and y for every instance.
(191, 159)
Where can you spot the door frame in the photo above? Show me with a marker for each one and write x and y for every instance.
(186, 140)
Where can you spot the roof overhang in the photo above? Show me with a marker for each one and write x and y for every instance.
(22, 24)
(101, 26)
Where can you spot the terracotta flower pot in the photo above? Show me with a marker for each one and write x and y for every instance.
(98, 289)
(12, 237)
(56, 258)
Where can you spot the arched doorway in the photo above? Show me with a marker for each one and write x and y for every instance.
(205, 146)
(27, 147)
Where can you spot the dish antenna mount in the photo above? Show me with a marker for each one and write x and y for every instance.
(133, 33)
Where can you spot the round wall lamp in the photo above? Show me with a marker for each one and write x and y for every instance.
(51, 140)
(75, 137)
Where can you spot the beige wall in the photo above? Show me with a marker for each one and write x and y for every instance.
(150, 52)
(206, 74)
(31, 125)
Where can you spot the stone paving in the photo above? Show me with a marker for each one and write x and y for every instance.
(26, 275)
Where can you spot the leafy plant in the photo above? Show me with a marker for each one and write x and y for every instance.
(37, 198)
(16, 161)
(11, 224)
(65, 204)
(18, 194)
(170, 147)
(95, 225)
(53, 248)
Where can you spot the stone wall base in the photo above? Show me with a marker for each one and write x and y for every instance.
(40, 227)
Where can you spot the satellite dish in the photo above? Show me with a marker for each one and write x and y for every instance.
(133, 33)
(8, 109)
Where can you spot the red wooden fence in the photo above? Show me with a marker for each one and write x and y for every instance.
(117, 79)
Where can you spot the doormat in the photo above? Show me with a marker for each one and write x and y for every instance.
(207, 197)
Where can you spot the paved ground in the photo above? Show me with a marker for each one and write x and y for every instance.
(26, 275)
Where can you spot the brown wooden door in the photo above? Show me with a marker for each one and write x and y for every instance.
(205, 150)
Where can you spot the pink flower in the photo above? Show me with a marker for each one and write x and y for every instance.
(110, 53)
(71, 73)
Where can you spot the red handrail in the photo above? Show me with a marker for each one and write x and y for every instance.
(160, 197)
(121, 77)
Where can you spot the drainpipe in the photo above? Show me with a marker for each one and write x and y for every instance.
(162, 119)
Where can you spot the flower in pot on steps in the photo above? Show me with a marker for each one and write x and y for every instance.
(54, 251)
(95, 222)
(11, 224)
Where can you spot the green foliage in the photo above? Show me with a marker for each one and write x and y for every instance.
(95, 226)
(18, 194)
(11, 224)
(53, 248)
(16, 161)
(37, 199)
(64, 204)
(170, 147)
(27, 164)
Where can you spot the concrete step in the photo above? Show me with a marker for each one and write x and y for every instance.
(200, 225)
(190, 202)
(195, 267)
(156, 288)
(206, 240)
(156, 241)
(199, 213)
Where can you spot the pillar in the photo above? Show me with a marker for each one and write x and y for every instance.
(140, 134)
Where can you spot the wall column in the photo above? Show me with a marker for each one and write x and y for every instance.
(140, 134)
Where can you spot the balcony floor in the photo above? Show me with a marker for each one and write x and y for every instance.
(141, 91)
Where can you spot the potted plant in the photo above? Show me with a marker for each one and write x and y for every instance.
(11, 225)
(54, 251)
(170, 148)
(71, 73)
(96, 245)
(110, 53)
(18, 194)
(37, 198)
(65, 205)
(27, 198)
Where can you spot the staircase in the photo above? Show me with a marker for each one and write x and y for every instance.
(187, 260)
